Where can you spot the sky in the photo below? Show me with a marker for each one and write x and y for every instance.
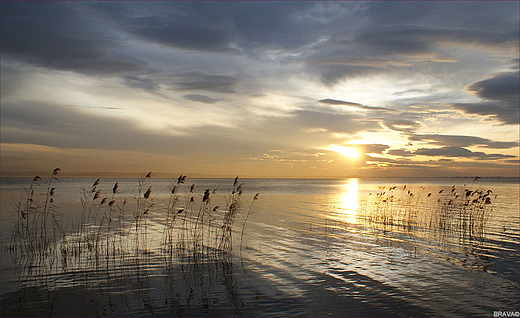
(328, 89)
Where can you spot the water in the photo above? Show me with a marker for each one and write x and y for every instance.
(310, 248)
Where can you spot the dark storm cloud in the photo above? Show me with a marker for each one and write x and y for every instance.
(500, 95)
(200, 98)
(55, 35)
(462, 141)
(205, 82)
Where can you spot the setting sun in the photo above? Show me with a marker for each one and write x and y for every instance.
(346, 151)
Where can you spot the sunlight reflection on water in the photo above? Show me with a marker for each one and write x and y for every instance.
(348, 201)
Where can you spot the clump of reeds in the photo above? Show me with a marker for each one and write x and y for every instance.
(194, 228)
(37, 230)
(200, 227)
(446, 215)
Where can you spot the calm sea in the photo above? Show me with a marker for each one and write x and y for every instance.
(306, 248)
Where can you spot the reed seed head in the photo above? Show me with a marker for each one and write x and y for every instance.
(148, 192)
(206, 196)
(114, 189)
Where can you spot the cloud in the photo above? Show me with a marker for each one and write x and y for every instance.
(259, 68)
(393, 37)
(350, 104)
(411, 90)
(401, 124)
(175, 32)
(462, 141)
(62, 126)
(373, 148)
(57, 36)
(503, 112)
(448, 151)
(143, 83)
(200, 98)
(204, 82)
(460, 152)
(460, 22)
(500, 95)
(505, 86)
(333, 121)
(400, 153)
(420, 41)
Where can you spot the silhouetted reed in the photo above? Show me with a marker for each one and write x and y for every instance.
(106, 240)
(453, 217)
(37, 229)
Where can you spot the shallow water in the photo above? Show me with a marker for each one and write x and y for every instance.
(310, 248)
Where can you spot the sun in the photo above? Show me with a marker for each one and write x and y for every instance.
(346, 151)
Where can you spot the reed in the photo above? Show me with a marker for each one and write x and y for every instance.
(107, 241)
(453, 217)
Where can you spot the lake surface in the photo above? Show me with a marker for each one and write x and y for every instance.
(309, 248)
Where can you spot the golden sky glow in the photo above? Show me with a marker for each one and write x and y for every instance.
(261, 89)
(346, 151)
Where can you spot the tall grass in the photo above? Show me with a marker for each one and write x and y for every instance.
(112, 233)
(453, 217)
